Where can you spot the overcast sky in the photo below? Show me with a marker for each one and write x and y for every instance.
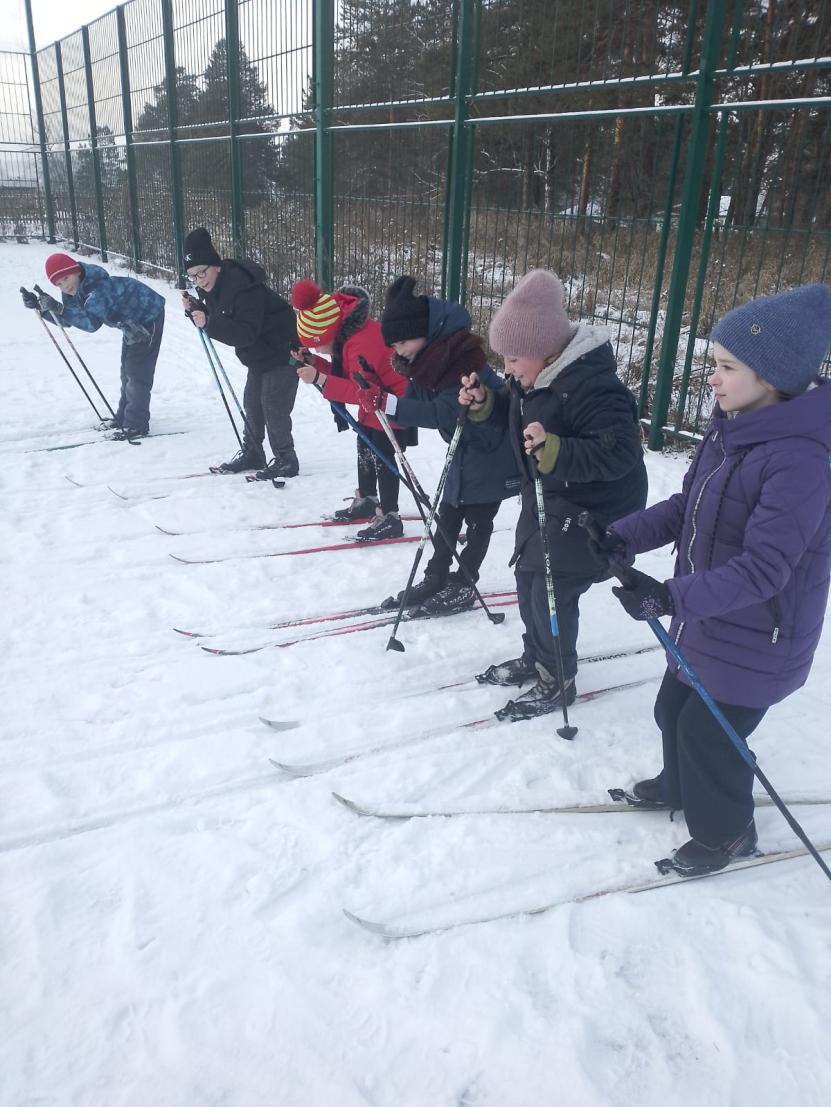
(52, 18)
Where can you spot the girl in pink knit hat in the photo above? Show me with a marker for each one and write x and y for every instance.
(574, 424)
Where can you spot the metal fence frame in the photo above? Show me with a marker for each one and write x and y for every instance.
(691, 99)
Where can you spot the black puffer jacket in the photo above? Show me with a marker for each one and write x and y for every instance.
(245, 313)
(600, 465)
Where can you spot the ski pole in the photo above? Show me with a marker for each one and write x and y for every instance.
(565, 731)
(421, 498)
(54, 342)
(60, 324)
(625, 577)
(210, 350)
(393, 643)
(219, 387)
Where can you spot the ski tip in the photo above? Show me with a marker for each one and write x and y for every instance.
(188, 633)
(367, 924)
(120, 496)
(280, 724)
(347, 803)
(290, 770)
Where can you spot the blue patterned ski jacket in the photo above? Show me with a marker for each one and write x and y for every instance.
(120, 302)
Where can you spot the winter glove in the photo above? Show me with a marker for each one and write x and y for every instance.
(644, 597)
(608, 548)
(371, 398)
(192, 304)
(135, 333)
(30, 300)
(49, 303)
(299, 356)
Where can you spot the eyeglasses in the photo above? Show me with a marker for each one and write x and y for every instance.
(198, 275)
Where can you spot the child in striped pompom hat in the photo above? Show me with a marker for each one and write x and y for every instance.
(339, 326)
(319, 315)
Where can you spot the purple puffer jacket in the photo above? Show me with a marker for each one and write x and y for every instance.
(753, 528)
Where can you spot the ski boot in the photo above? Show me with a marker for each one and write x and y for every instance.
(127, 434)
(456, 596)
(362, 507)
(420, 592)
(541, 699)
(696, 859)
(382, 528)
(245, 459)
(646, 794)
(519, 670)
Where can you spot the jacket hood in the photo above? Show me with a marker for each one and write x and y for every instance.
(444, 318)
(804, 416)
(250, 268)
(587, 338)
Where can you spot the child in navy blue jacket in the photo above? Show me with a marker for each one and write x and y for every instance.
(434, 349)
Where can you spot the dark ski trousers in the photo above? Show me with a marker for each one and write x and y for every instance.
(374, 478)
(537, 639)
(479, 519)
(138, 368)
(703, 775)
(268, 401)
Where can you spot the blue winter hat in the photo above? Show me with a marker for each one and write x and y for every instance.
(783, 338)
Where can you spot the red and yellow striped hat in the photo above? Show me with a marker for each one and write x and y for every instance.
(319, 315)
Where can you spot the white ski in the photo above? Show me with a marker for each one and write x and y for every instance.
(485, 723)
(451, 915)
(416, 811)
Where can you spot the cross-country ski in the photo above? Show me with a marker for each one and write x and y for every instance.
(442, 811)
(453, 914)
(483, 723)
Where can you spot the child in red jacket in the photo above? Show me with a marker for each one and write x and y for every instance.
(339, 326)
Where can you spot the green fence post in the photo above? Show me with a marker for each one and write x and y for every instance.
(70, 182)
(234, 158)
(175, 164)
(324, 33)
(129, 152)
(44, 159)
(696, 153)
(461, 161)
(93, 143)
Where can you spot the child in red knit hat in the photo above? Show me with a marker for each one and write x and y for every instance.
(90, 299)
(339, 326)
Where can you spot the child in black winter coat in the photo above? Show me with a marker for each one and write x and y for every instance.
(434, 349)
(574, 424)
(237, 307)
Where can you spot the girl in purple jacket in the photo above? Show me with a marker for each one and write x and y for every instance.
(752, 528)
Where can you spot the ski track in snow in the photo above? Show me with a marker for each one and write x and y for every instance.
(172, 930)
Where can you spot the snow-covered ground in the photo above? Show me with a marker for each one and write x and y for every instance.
(172, 933)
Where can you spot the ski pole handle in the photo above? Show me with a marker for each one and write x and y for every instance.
(595, 531)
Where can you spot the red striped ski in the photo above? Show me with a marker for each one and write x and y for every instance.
(296, 553)
(288, 526)
(335, 632)
(334, 617)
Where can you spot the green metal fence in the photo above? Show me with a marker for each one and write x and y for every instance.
(666, 159)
